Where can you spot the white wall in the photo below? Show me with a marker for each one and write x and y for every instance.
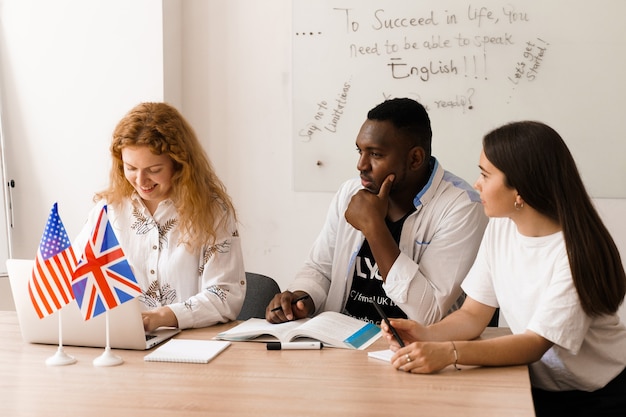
(237, 95)
(234, 87)
(70, 70)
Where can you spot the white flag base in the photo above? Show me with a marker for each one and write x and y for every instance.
(108, 359)
(60, 358)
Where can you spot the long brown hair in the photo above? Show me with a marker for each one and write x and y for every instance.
(537, 163)
(198, 194)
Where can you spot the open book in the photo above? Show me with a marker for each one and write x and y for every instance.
(331, 328)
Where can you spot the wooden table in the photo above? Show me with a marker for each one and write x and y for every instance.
(246, 380)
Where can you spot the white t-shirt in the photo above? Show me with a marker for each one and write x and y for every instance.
(529, 278)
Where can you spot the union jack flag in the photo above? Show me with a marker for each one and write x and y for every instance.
(103, 278)
(49, 286)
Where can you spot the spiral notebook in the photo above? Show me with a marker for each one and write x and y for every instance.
(187, 351)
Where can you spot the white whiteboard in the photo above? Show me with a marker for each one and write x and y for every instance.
(474, 66)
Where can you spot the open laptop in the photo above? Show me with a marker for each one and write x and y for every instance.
(125, 323)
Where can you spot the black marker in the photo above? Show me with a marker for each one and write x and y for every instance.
(304, 297)
(384, 316)
(294, 346)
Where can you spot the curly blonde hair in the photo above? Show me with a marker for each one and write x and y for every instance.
(199, 196)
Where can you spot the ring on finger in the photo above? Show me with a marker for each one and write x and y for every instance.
(408, 358)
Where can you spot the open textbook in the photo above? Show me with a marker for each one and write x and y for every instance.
(331, 328)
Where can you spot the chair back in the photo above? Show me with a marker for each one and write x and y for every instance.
(259, 292)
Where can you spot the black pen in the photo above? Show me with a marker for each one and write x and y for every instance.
(304, 297)
(384, 316)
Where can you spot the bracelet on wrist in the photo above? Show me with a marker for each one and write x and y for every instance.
(456, 357)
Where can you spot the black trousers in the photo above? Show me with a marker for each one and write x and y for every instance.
(609, 401)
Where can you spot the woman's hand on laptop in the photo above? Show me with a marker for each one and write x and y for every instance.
(159, 317)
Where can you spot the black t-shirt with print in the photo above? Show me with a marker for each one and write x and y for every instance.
(367, 284)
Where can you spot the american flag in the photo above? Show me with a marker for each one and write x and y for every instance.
(103, 278)
(49, 286)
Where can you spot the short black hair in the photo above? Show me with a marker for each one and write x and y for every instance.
(409, 117)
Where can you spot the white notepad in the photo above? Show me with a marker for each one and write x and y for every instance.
(187, 351)
(383, 355)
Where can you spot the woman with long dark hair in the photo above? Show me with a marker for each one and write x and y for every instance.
(551, 266)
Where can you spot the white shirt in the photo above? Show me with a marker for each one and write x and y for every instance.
(438, 245)
(203, 287)
(529, 278)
